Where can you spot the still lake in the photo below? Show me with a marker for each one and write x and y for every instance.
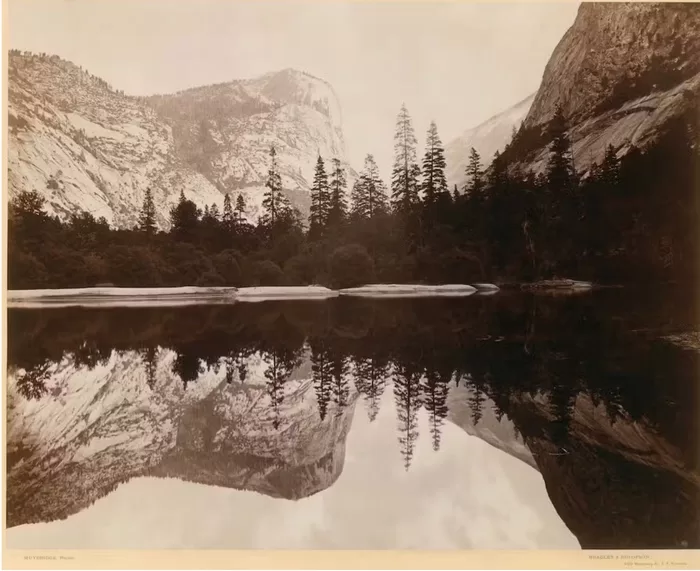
(502, 421)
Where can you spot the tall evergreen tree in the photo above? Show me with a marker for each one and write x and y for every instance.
(610, 168)
(338, 183)
(561, 175)
(475, 180)
(275, 203)
(228, 217)
(147, 217)
(404, 176)
(434, 182)
(240, 208)
(320, 201)
(369, 192)
(498, 173)
(184, 218)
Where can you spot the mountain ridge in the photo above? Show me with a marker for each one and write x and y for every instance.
(86, 146)
(619, 73)
(486, 138)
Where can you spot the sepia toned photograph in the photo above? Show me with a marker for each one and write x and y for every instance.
(343, 275)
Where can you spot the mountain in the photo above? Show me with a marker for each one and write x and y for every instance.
(620, 73)
(490, 136)
(225, 131)
(632, 457)
(88, 147)
(105, 425)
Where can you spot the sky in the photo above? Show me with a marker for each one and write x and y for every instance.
(457, 63)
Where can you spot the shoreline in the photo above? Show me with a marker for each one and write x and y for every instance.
(192, 295)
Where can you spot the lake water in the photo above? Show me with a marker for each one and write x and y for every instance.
(503, 421)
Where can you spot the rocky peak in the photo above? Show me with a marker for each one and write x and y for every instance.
(86, 146)
(616, 52)
(296, 87)
(620, 73)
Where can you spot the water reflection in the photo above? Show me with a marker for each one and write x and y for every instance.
(262, 397)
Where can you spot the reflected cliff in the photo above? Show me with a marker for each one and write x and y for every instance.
(264, 398)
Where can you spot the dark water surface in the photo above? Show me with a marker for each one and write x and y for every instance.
(499, 421)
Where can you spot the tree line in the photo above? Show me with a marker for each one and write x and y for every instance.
(628, 218)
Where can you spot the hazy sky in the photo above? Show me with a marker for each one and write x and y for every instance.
(457, 63)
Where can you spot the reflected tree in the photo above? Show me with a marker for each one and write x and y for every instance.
(370, 381)
(281, 363)
(187, 365)
(149, 356)
(340, 390)
(435, 387)
(31, 383)
(407, 393)
(322, 373)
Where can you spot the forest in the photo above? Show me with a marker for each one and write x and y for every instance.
(628, 219)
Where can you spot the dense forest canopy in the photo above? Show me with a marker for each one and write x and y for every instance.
(631, 218)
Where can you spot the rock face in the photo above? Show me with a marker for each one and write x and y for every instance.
(601, 475)
(225, 131)
(487, 138)
(88, 147)
(100, 427)
(620, 72)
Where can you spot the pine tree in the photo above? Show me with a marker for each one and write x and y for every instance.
(498, 173)
(275, 203)
(240, 208)
(338, 183)
(320, 201)
(228, 217)
(404, 177)
(434, 182)
(475, 182)
(610, 168)
(214, 212)
(561, 175)
(147, 218)
(369, 192)
(184, 218)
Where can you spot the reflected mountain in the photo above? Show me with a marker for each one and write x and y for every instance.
(261, 397)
